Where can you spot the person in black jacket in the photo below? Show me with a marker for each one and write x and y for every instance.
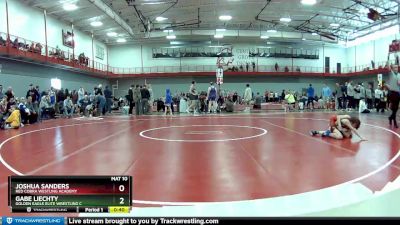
(145, 100)
(108, 96)
(129, 97)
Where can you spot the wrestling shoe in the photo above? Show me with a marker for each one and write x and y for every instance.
(313, 132)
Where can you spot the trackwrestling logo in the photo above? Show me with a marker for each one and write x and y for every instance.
(9, 220)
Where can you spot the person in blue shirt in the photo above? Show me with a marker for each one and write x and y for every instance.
(168, 102)
(310, 96)
(326, 95)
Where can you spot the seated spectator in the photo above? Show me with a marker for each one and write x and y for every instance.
(46, 108)
(10, 103)
(9, 93)
(32, 47)
(15, 43)
(86, 106)
(258, 101)
(33, 114)
(298, 69)
(3, 110)
(68, 107)
(38, 48)
(229, 105)
(14, 120)
(2, 41)
(23, 110)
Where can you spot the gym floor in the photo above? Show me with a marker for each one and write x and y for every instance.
(178, 160)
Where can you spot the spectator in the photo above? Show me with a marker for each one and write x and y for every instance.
(129, 97)
(168, 102)
(144, 92)
(60, 101)
(357, 96)
(326, 96)
(81, 94)
(86, 106)
(74, 97)
(229, 104)
(9, 93)
(276, 67)
(46, 108)
(100, 103)
(257, 101)
(369, 96)
(52, 95)
(350, 96)
(290, 99)
(137, 98)
(108, 96)
(2, 41)
(151, 98)
(254, 66)
(310, 96)
(68, 107)
(247, 67)
(378, 99)
(343, 96)
(14, 120)
(33, 113)
(1, 92)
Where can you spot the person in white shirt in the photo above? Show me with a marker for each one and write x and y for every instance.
(81, 95)
(350, 95)
(247, 97)
(68, 107)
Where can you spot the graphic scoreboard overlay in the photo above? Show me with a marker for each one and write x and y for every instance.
(94, 194)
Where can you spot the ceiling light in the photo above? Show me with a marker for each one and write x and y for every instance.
(168, 31)
(225, 17)
(285, 19)
(334, 25)
(264, 37)
(171, 37)
(218, 36)
(160, 18)
(303, 39)
(314, 34)
(112, 34)
(121, 40)
(308, 2)
(271, 31)
(220, 30)
(96, 23)
(69, 7)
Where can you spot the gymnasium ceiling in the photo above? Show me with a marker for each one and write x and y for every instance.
(135, 20)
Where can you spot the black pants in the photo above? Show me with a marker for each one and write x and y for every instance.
(369, 103)
(310, 100)
(130, 107)
(350, 102)
(394, 98)
(356, 103)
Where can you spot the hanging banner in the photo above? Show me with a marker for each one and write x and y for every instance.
(380, 79)
(220, 75)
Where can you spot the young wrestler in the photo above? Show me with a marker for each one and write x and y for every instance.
(341, 126)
